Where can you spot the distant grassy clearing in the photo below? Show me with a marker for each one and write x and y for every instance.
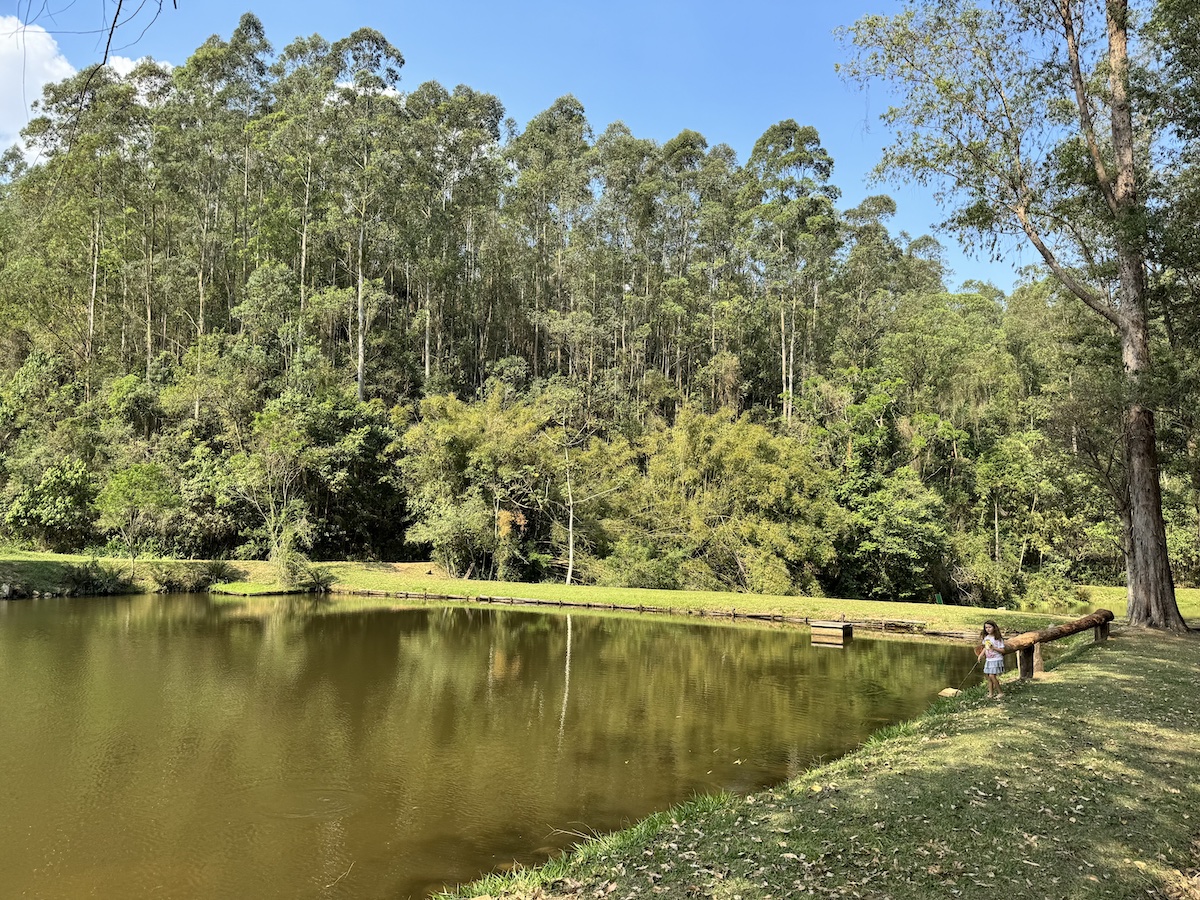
(1114, 598)
(411, 578)
(46, 571)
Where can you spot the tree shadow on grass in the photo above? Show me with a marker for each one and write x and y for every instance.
(31, 574)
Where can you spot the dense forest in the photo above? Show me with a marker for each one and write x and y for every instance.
(273, 305)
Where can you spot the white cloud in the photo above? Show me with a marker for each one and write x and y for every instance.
(123, 65)
(29, 59)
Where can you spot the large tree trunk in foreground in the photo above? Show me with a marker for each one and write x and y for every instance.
(1151, 590)
(1149, 585)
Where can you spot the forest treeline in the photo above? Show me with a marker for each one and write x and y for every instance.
(268, 305)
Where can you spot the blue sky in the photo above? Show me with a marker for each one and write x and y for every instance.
(726, 70)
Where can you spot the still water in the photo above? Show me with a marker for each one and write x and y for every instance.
(167, 747)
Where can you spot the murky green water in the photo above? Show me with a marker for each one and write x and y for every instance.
(163, 747)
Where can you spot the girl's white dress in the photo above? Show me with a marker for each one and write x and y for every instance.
(993, 649)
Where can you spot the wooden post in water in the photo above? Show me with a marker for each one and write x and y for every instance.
(832, 633)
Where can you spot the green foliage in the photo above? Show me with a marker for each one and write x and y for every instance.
(134, 503)
(319, 579)
(190, 577)
(291, 565)
(1045, 592)
(636, 566)
(96, 578)
(169, 578)
(57, 512)
(309, 320)
(898, 542)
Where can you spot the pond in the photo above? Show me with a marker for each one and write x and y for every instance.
(172, 747)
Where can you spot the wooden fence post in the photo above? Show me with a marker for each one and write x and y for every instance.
(1025, 662)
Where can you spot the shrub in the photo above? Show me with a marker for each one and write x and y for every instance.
(189, 577)
(291, 567)
(96, 578)
(216, 571)
(171, 578)
(1054, 594)
(320, 579)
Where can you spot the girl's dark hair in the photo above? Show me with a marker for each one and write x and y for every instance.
(995, 630)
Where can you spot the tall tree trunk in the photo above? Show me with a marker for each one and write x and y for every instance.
(362, 315)
(1151, 590)
(570, 525)
(996, 523)
(91, 316)
(783, 362)
(149, 250)
(303, 266)
(1150, 586)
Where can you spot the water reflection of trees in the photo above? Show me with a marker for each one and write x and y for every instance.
(453, 731)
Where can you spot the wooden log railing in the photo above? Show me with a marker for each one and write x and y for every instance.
(1028, 646)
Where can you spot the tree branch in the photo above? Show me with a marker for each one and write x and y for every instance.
(1090, 298)
(1085, 110)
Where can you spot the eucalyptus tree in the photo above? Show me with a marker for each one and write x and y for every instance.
(788, 205)
(205, 143)
(147, 210)
(719, 260)
(683, 161)
(547, 199)
(873, 269)
(445, 205)
(621, 231)
(864, 286)
(1023, 114)
(294, 139)
(367, 112)
(76, 206)
(684, 323)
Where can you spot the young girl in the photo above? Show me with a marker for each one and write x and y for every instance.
(993, 649)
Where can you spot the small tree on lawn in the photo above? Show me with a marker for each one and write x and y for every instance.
(134, 503)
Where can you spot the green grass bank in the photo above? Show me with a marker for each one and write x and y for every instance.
(361, 585)
(1083, 783)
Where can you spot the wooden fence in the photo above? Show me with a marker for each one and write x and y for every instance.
(1028, 646)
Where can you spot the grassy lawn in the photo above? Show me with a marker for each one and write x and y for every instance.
(355, 581)
(412, 578)
(249, 588)
(41, 571)
(1083, 783)
(1114, 598)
